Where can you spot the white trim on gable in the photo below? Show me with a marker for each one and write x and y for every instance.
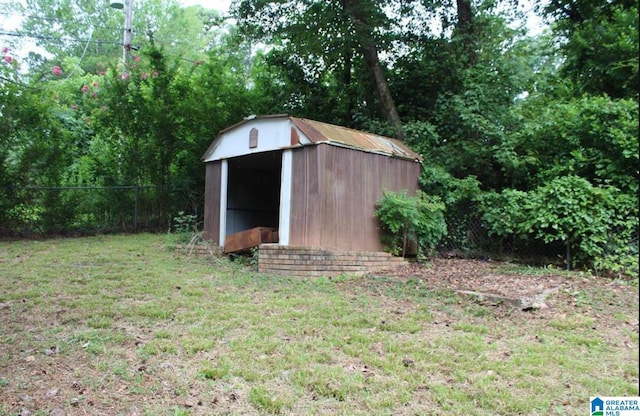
(268, 134)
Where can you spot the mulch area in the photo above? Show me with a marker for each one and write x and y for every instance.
(483, 276)
(495, 279)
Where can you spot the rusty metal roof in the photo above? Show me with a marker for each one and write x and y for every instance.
(319, 132)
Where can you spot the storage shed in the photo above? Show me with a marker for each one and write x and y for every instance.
(313, 184)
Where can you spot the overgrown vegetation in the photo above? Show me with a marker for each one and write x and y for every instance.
(184, 229)
(411, 222)
(597, 225)
(498, 114)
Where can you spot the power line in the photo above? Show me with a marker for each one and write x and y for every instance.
(63, 38)
(51, 38)
(51, 19)
(83, 54)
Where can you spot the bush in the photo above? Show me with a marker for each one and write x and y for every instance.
(597, 224)
(407, 220)
(185, 229)
(25, 218)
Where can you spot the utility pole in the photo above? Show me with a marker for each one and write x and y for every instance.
(127, 5)
(126, 44)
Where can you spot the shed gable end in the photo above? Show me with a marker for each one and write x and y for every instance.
(253, 136)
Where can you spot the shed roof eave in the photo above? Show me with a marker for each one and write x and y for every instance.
(417, 159)
(251, 118)
(212, 147)
(319, 132)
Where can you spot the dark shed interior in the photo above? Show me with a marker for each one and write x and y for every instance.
(253, 191)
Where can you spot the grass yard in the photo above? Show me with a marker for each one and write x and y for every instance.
(120, 325)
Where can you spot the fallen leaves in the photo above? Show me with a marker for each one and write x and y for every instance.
(487, 282)
(51, 393)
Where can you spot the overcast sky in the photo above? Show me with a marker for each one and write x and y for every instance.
(222, 5)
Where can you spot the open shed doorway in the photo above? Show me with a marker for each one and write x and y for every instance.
(253, 191)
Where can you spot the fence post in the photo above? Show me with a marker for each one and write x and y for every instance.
(135, 213)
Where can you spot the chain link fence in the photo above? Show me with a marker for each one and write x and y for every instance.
(40, 210)
(468, 238)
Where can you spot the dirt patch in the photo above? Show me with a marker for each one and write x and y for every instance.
(484, 276)
(492, 282)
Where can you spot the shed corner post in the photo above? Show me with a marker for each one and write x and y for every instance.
(224, 181)
(285, 197)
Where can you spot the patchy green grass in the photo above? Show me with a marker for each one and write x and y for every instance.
(120, 325)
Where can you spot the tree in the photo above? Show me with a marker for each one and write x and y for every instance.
(465, 31)
(593, 137)
(469, 107)
(359, 12)
(93, 31)
(600, 43)
(65, 28)
(144, 124)
(322, 37)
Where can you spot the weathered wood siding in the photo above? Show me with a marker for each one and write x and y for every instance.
(334, 192)
(213, 172)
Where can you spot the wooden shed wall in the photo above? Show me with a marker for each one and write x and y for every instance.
(211, 228)
(334, 192)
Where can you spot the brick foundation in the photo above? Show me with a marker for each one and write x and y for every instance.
(312, 262)
(199, 250)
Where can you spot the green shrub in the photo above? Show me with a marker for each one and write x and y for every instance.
(503, 214)
(407, 220)
(184, 229)
(597, 224)
(26, 218)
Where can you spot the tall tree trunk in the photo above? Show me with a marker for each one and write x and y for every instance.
(382, 89)
(466, 31)
(348, 86)
(357, 12)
